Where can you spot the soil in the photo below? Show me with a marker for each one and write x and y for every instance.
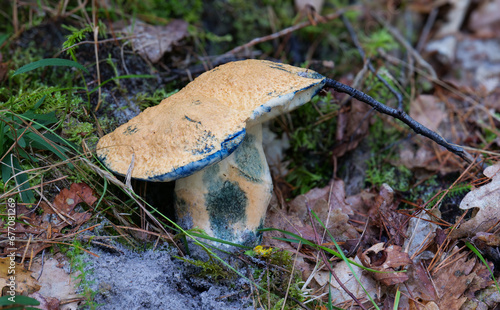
(154, 279)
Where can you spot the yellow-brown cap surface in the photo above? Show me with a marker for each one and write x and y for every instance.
(205, 121)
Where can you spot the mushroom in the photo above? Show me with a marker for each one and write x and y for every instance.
(208, 137)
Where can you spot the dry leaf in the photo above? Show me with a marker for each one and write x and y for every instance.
(49, 224)
(67, 199)
(347, 278)
(454, 18)
(487, 199)
(56, 283)
(329, 204)
(152, 42)
(388, 260)
(428, 110)
(451, 282)
(384, 212)
(419, 283)
(421, 231)
(485, 20)
(24, 283)
(488, 238)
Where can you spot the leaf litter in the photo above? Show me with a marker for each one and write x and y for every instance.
(415, 252)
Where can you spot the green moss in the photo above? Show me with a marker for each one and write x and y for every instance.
(399, 178)
(310, 145)
(76, 132)
(158, 12)
(379, 39)
(211, 269)
(76, 258)
(145, 99)
(277, 282)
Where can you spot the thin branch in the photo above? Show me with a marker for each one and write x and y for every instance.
(424, 35)
(402, 116)
(398, 36)
(356, 42)
(288, 30)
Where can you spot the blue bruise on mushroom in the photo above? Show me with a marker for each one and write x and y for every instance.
(203, 145)
(226, 203)
(249, 161)
(228, 146)
(130, 130)
(191, 120)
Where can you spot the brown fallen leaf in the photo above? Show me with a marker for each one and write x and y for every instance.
(352, 127)
(57, 285)
(488, 238)
(419, 283)
(387, 260)
(346, 276)
(24, 283)
(329, 204)
(384, 214)
(485, 20)
(452, 281)
(428, 110)
(67, 199)
(152, 42)
(49, 224)
(486, 199)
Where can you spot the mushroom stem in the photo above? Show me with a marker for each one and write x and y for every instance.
(229, 200)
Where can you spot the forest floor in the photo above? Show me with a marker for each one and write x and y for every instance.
(365, 212)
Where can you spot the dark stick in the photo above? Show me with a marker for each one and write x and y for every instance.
(402, 116)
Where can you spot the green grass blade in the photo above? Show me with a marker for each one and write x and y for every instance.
(3, 37)
(10, 166)
(396, 299)
(473, 249)
(49, 62)
(299, 239)
(207, 237)
(19, 300)
(344, 258)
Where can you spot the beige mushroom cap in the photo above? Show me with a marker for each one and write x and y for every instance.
(205, 121)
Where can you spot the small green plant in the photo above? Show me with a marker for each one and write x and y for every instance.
(457, 190)
(77, 131)
(399, 178)
(145, 100)
(380, 39)
(76, 258)
(78, 35)
(276, 281)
